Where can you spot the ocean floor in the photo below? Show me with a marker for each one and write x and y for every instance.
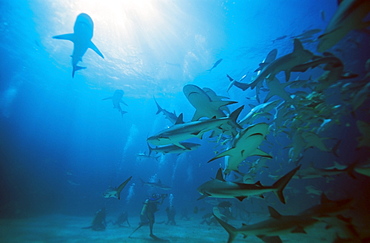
(64, 228)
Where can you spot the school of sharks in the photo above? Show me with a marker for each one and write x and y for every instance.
(295, 110)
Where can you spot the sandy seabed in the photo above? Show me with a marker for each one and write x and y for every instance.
(64, 228)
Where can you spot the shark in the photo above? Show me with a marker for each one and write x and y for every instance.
(284, 63)
(271, 56)
(349, 16)
(244, 145)
(219, 188)
(215, 65)
(171, 116)
(258, 111)
(117, 100)
(270, 229)
(240, 85)
(83, 31)
(181, 131)
(116, 192)
(147, 156)
(156, 184)
(204, 105)
(174, 149)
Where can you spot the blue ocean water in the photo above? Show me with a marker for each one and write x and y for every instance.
(62, 145)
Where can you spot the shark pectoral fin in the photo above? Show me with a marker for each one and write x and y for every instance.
(197, 116)
(299, 229)
(69, 37)
(93, 47)
(287, 75)
(108, 98)
(240, 198)
(203, 196)
(121, 101)
(225, 153)
(259, 152)
(180, 145)
(273, 213)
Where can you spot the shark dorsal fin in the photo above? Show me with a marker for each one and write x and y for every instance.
(297, 46)
(219, 175)
(273, 213)
(180, 119)
(258, 183)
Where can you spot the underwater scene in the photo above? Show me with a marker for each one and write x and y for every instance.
(185, 121)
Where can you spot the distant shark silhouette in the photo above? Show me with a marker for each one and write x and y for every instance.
(81, 38)
(116, 192)
(117, 100)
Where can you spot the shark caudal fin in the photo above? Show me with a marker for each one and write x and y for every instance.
(229, 228)
(76, 68)
(159, 108)
(282, 182)
(234, 116)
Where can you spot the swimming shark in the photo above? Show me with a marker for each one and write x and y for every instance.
(271, 56)
(182, 131)
(215, 65)
(245, 144)
(155, 184)
(117, 100)
(116, 192)
(220, 188)
(349, 16)
(271, 229)
(171, 116)
(81, 37)
(258, 110)
(174, 149)
(204, 105)
(284, 63)
(240, 85)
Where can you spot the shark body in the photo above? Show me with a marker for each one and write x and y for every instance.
(116, 192)
(220, 188)
(349, 16)
(284, 63)
(245, 144)
(269, 230)
(171, 116)
(183, 131)
(174, 149)
(158, 184)
(117, 100)
(204, 105)
(81, 38)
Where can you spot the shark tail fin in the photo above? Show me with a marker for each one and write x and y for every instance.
(76, 68)
(159, 108)
(282, 182)
(149, 148)
(229, 228)
(234, 116)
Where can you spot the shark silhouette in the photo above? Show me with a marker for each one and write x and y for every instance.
(81, 38)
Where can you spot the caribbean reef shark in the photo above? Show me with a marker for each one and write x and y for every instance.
(349, 16)
(117, 100)
(174, 149)
(269, 230)
(244, 145)
(156, 184)
(220, 188)
(116, 192)
(284, 63)
(81, 38)
(169, 115)
(204, 105)
(182, 131)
